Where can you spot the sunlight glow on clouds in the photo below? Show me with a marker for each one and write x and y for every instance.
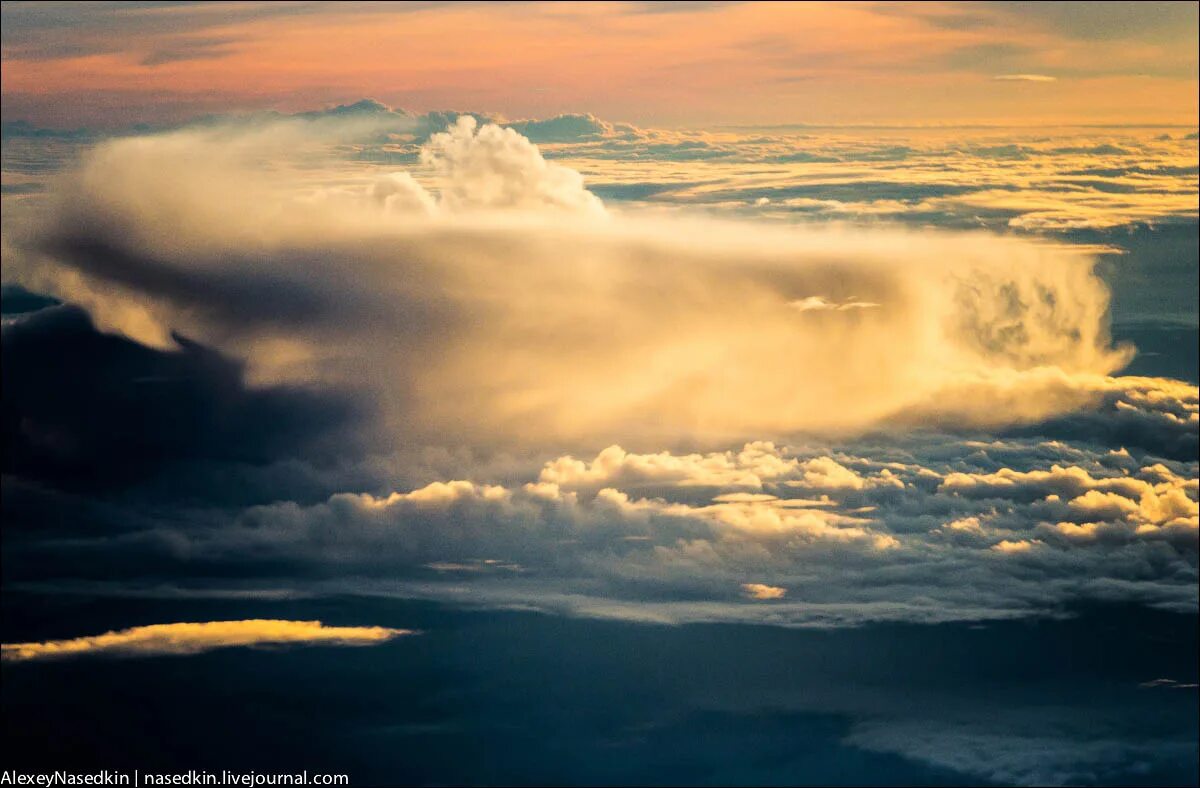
(807, 332)
(194, 638)
(673, 538)
(489, 167)
(762, 592)
(597, 380)
(495, 328)
(718, 63)
(1024, 78)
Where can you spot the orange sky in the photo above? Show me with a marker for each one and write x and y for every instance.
(684, 64)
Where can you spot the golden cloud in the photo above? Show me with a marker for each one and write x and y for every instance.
(194, 638)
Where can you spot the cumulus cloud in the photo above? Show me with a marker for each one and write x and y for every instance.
(400, 192)
(950, 532)
(754, 465)
(1154, 503)
(489, 167)
(194, 638)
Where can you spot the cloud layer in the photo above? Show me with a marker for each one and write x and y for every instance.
(927, 528)
(472, 380)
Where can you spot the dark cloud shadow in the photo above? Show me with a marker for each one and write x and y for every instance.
(86, 410)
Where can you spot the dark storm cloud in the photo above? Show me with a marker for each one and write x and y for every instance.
(234, 299)
(85, 409)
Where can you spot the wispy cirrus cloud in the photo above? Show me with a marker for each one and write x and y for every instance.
(1024, 78)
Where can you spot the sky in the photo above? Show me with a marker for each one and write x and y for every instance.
(662, 64)
(613, 393)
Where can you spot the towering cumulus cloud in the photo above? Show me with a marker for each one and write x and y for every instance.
(500, 301)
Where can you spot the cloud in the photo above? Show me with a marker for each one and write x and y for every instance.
(162, 409)
(1153, 504)
(1048, 751)
(195, 638)
(589, 410)
(573, 129)
(1155, 414)
(959, 185)
(1024, 78)
(866, 533)
(821, 304)
(367, 107)
(753, 466)
(1167, 683)
(761, 592)
(488, 167)
(512, 301)
(1010, 546)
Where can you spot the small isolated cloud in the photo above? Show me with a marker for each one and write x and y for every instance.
(1024, 78)
(1011, 546)
(822, 304)
(764, 592)
(194, 638)
(1167, 684)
